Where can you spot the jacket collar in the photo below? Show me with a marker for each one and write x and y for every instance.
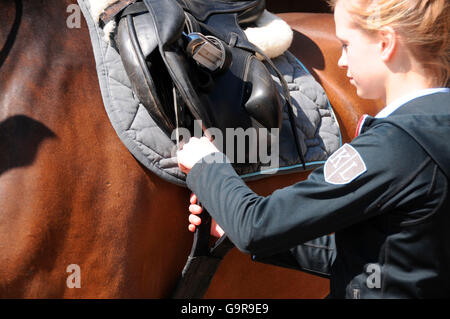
(393, 106)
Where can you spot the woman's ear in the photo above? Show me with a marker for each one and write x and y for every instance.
(388, 43)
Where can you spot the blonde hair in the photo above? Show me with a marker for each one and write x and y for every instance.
(423, 25)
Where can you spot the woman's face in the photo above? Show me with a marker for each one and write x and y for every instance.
(361, 55)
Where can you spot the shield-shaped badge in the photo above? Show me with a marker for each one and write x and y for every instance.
(344, 166)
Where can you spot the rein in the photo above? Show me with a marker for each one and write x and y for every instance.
(4, 52)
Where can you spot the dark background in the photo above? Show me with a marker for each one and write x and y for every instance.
(279, 6)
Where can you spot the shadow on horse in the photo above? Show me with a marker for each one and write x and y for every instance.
(72, 194)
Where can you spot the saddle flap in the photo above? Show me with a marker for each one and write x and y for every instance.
(146, 34)
(263, 101)
(137, 41)
(168, 19)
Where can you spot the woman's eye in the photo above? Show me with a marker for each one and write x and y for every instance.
(344, 46)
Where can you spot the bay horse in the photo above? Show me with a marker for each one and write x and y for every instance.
(72, 195)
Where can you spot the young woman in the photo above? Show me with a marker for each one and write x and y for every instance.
(384, 195)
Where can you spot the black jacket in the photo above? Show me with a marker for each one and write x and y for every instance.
(391, 219)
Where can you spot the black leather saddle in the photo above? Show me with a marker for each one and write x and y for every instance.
(190, 60)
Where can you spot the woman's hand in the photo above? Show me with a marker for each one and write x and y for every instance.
(194, 220)
(194, 151)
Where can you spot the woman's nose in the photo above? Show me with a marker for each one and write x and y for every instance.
(342, 62)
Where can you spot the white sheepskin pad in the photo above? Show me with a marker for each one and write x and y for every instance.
(272, 35)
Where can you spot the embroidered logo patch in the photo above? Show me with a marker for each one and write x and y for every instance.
(344, 166)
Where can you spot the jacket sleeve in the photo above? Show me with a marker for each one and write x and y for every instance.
(309, 209)
(315, 257)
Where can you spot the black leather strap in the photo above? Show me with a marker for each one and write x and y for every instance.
(202, 262)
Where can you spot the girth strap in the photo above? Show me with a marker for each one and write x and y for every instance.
(202, 262)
